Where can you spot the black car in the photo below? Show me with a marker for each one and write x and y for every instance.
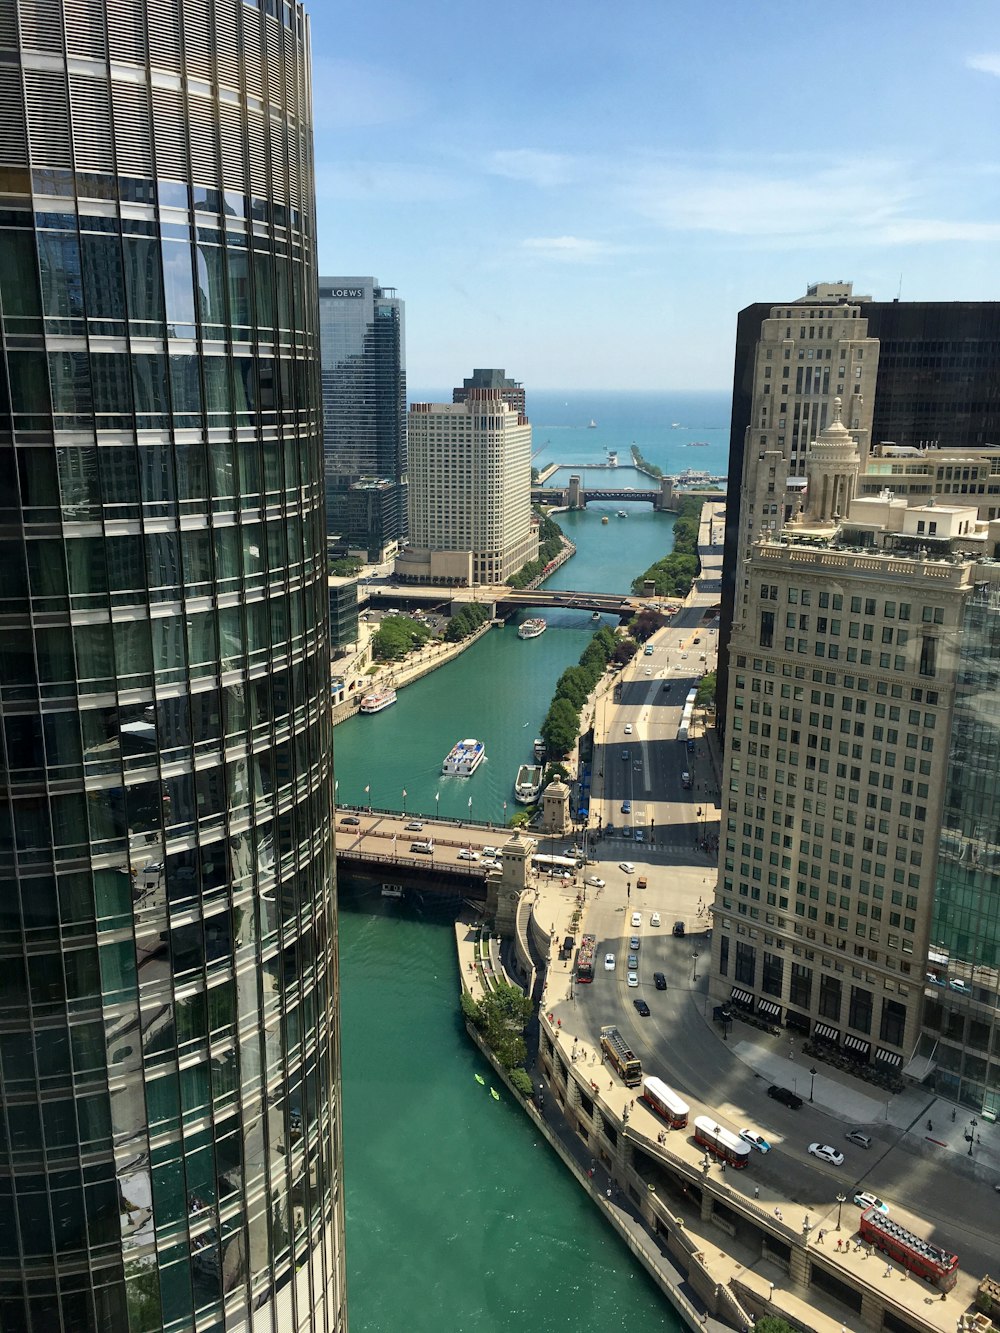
(642, 1008)
(780, 1094)
(349, 819)
(659, 981)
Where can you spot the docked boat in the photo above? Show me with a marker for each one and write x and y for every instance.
(538, 749)
(464, 758)
(377, 700)
(530, 629)
(528, 783)
(392, 891)
(612, 458)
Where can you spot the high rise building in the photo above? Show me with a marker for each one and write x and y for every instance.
(171, 1156)
(842, 686)
(511, 391)
(364, 413)
(914, 373)
(470, 492)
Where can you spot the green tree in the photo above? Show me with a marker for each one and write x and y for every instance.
(346, 566)
(521, 1081)
(625, 651)
(772, 1323)
(574, 686)
(501, 1016)
(706, 690)
(561, 727)
(396, 636)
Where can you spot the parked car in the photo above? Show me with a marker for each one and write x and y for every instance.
(827, 1154)
(679, 929)
(636, 918)
(626, 807)
(783, 1095)
(632, 961)
(627, 866)
(865, 1200)
(633, 979)
(659, 981)
(859, 1137)
(633, 943)
(755, 1140)
(609, 962)
(642, 1008)
(654, 920)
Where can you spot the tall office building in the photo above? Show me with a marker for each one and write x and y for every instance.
(841, 696)
(168, 980)
(363, 341)
(918, 374)
(511, 391)
(470, 492)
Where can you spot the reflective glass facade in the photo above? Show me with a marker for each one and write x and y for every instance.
(171, 1154)
(962, 997)
(364, 412)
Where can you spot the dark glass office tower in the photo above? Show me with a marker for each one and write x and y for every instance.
(364, 413)
(961, 1039)
(170, 1156)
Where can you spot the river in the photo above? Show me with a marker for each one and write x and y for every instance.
(458, 1215)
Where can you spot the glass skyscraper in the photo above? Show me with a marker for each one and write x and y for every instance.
(364, 413)
(170, 1155)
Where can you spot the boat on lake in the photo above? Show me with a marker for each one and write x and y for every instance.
(592, 425)
(622, 514)
(596, 616)
(528, 783)
(605, 519)
(464, 758)
(612, 458)
(530, 629)
(377, 700)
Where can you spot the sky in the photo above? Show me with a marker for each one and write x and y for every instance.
(586, 194)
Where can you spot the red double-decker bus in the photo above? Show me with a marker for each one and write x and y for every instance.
(585, 958)
(936, 1266)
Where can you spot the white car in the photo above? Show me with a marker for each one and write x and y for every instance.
(755, 1140)
(628, 728)
(866, 1200)
(491, 852)
(636, 918)
(827, 1154)
(627, 866)
(633, 978)
(649, 671)
(467, 854)
(654, 920)
(609, 962)
(595, 882)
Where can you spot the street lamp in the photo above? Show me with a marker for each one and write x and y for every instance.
(841, 1200)
(972, 1134)
(812, 1081)
(694, 973)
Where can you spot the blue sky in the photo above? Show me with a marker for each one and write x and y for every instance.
(586, 194)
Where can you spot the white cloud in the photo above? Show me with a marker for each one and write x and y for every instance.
(988, 62)
(569, 249)
(524, 164)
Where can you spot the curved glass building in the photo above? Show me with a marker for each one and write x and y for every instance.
(170, 1153)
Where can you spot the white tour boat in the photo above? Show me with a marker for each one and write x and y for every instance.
(530, 629)
(377, 700)
(464, 758)
(528, 783)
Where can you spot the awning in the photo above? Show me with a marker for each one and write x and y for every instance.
(826, 1033)
(890, 1057)
(743, 997)
(920, 1066)
(857, 1044)
(769, 1007)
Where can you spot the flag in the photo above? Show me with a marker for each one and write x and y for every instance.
(367, 791)
(336, 785)
(470, 802)
(404, 793)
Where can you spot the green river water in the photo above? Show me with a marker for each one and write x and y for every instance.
(459, 1216)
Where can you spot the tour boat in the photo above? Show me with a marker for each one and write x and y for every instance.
(377, 700)
(464, 758)
(528, 783)
(530, 629)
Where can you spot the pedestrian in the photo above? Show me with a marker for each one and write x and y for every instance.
(953, 1115)
(609, 1191)
(756, 1191)
(838, 1242)
(819, 1238)
(929, 1127)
